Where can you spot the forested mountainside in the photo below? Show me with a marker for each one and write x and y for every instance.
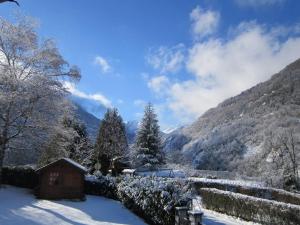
(91, 122)
(238, 131)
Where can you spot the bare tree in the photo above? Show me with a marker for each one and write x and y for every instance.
(285, 153)
(31, 92)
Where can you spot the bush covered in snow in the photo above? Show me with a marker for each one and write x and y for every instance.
(154, 198)
(250, 208)
(101, 185)
(248, 188)
(20, 176)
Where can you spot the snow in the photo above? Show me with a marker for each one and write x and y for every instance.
(169, 130)
(214, 218)
(163, 173)
(19, 207)
(75, 164)
(229, 182)
(69, 161)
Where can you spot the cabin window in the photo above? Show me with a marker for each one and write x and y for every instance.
(53, 178)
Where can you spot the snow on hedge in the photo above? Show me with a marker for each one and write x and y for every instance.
(154, 198)
(228, 182)
(250, 208)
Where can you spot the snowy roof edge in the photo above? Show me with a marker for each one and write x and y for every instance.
(70, 161)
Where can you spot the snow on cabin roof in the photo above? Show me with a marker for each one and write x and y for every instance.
(68, 160)
(75, 164)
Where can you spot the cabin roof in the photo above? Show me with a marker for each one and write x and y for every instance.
(68, 161)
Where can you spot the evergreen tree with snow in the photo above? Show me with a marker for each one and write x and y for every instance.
(79, 148)
(148, 150)
(111, 141)
(70, 139)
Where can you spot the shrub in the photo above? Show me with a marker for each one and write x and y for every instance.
(255, 191)
(154, 198)
(101, 185)
(20, 176)
(250, 208)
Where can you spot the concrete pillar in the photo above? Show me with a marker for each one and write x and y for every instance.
(181, 216)
(195, 217)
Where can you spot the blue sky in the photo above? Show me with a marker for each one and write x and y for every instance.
(183, 56)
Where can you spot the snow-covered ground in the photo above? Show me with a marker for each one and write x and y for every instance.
(215, 218)
(19, 207)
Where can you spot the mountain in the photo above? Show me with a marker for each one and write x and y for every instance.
(91, 106)
(131, 130)
(91, 122)
(236, 132)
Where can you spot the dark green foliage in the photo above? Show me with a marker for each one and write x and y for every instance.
(102, 186)
(111, 140)
(20, 176)
(104, 162)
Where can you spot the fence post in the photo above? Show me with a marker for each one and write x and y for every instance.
(195, 217)
(181, 215)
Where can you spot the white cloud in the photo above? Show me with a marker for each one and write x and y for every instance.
(204, 23)
(258, 2)
(167, 59)
(95, 97)
(103, 63)
(159, 84)
(139, 103)
(222, 69)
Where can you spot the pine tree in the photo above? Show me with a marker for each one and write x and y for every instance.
(148, 141)
(111, 141)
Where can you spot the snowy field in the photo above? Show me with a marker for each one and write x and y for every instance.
(19, 207)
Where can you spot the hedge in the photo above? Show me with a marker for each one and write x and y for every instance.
(259, 192)
(154, 198)
(20, 176)
(250, 208)
(102, 186)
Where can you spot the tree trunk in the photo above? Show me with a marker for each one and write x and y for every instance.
(2, 149)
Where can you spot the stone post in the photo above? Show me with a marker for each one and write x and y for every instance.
(195, 217)
(181, 216)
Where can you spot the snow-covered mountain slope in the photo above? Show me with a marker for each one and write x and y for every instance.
(227, 135)
(131, 130)
(91, 122)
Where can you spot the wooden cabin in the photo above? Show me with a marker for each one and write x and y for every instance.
(62, 179)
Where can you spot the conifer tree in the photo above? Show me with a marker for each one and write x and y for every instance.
(80, 147)
(111, 141)
(148, 141)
